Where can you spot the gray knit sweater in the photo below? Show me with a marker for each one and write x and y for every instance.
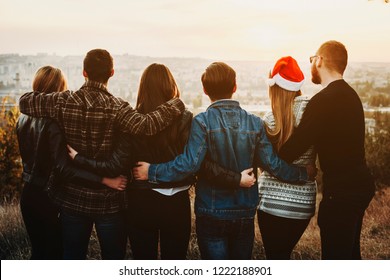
(283, 199)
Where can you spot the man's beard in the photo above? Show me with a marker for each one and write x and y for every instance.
(315, 76)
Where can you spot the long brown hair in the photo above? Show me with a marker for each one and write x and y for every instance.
(49, 79)
(282, 102)
(157, 86)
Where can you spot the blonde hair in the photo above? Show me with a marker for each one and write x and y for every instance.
(49, 79)
(282, 102)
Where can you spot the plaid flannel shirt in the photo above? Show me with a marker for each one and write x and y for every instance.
(89, 118)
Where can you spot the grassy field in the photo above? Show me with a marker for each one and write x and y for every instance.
(375, 241)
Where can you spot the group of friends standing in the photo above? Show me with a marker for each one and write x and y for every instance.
(90, 159)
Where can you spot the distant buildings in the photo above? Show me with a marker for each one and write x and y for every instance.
(17, 72)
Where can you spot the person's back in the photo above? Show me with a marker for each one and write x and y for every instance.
(39, 214)
(35, 153)
(163, 146)
(340, 139)
(285, 209)
(34, 134)
(282, 199)
(38, 140)
(89, 119)
(334, 122)
(159, 215)
(45, 167)
(232, 135)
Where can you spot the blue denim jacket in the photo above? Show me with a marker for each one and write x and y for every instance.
(236, 140)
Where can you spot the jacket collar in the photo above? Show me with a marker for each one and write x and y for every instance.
(96, 85)
(224, 103)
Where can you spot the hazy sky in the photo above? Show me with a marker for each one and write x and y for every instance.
(215, 29)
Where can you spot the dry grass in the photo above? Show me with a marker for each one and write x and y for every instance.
(14, 243)
(375, 239)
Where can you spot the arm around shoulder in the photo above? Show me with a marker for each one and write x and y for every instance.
(43, 104)
(304, 135)
(129, 120)
(268, 160)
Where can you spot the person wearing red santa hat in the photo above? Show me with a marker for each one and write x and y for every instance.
(334, 123)
(285, 209)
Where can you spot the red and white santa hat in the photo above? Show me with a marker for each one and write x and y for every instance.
(287, 74)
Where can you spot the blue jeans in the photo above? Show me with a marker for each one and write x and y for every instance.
(225, 239)
(77, 229)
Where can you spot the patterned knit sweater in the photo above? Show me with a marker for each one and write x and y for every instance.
(283, 199)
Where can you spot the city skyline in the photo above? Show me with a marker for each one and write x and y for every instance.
(218, 30)
(17, 72)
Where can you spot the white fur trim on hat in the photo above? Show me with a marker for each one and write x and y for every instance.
(286, 84)
(270, 82)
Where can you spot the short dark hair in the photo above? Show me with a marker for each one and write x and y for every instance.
(335, 55)
(98, 64)
(219, 80)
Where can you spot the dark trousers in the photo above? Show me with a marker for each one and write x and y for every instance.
(77, 231)
(43, 227)
(340, 221)
(154, 218)
(225, 239)
(280, 235)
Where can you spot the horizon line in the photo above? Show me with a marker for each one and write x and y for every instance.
(172, 57)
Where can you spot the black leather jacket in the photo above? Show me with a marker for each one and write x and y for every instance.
(44, 155)
(130, 149)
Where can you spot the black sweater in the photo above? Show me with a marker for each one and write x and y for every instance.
(334, 123)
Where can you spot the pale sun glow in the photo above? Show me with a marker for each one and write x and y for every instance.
(216, 29)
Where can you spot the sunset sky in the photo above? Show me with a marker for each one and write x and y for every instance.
(220, 29)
